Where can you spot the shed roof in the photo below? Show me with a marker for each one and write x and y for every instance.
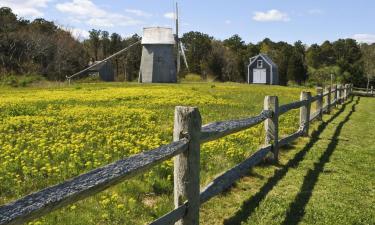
(265, 57)
(158, 35)
(98, 65)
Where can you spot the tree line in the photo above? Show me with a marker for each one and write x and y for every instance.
(42, 47)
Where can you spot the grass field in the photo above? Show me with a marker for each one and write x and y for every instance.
(49, 135)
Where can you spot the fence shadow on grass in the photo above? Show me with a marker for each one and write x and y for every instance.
(248, 207)
(297, 207)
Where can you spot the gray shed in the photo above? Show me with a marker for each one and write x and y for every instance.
(103, 70)
(262, 70)
(158, 63)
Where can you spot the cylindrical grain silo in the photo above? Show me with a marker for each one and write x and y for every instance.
(158, 64)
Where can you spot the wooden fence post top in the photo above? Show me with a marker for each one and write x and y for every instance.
(190, 116)
(272, 125)
(305, 95)
(305, 113)
(187, 123)
(319, 102)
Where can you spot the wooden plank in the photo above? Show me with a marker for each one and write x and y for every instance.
(335, 101)
(173, 216)
(326, 109)
(314, 115)
(362, 89)
(329, 90)
(319, 102)
(271, 125)
(363, 94)
(287, 140)
(40, 203)
(187, 122)
(224, 181)
(217, 130)
(294, 105)
(305, 112)
(315, 98)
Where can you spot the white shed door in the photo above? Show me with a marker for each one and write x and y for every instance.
(259, 76)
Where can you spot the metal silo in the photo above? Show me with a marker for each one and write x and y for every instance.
(158, 63)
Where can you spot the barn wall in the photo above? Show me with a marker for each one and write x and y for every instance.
(158, 64)
(276, 76)
(106, 72)
(265, 66)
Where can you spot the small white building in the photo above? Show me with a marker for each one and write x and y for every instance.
(262, 70)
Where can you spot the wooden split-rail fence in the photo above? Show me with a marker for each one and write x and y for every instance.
(188, 136)
(367, 92)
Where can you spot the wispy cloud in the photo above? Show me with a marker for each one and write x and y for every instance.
(315, 11)
(79, 34)
(272, 15)
(170, 15)
(138, 12)
(364, 38)
(86, 11)
(26, 8)
(228, 22)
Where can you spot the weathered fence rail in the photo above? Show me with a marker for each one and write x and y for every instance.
(188, 136)
(366, 92)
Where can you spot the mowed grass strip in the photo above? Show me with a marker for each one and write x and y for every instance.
(326, 179)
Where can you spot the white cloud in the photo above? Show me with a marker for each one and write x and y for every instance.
(170, 15)
(271, 16)
(77, 33)
(315, 11)
(364, 38)
(86, 11)
(138, 12)
(26, 8)
(228, 22)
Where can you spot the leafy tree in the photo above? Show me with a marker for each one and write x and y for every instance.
(132, 58)
(198, 47)
(94, 41)
(238, 51)
(368, 54)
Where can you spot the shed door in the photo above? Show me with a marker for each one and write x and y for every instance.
(260, 76)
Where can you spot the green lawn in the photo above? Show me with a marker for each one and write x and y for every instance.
(326, 179)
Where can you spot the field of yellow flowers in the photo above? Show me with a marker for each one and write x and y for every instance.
(48, 135)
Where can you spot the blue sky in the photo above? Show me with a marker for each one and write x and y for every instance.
(281, 20)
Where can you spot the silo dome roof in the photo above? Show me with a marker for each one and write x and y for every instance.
(158, 35)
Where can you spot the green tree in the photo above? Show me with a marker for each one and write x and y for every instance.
(105, 43)
(368, 56)
(198, 47)
(94, 42)
(238, 54)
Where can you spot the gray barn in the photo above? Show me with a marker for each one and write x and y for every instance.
(262, 70)
(158, 63)
(103, 70)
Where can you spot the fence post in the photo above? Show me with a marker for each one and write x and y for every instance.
(345, 93)
(319, 102)
(335, 95)
(339, 94)
(187, 123)
(329, 90)
(304, 116)
(272, 125)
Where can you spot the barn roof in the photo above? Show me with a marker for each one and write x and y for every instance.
(97, 65)
(158, 35)
(265, 57)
